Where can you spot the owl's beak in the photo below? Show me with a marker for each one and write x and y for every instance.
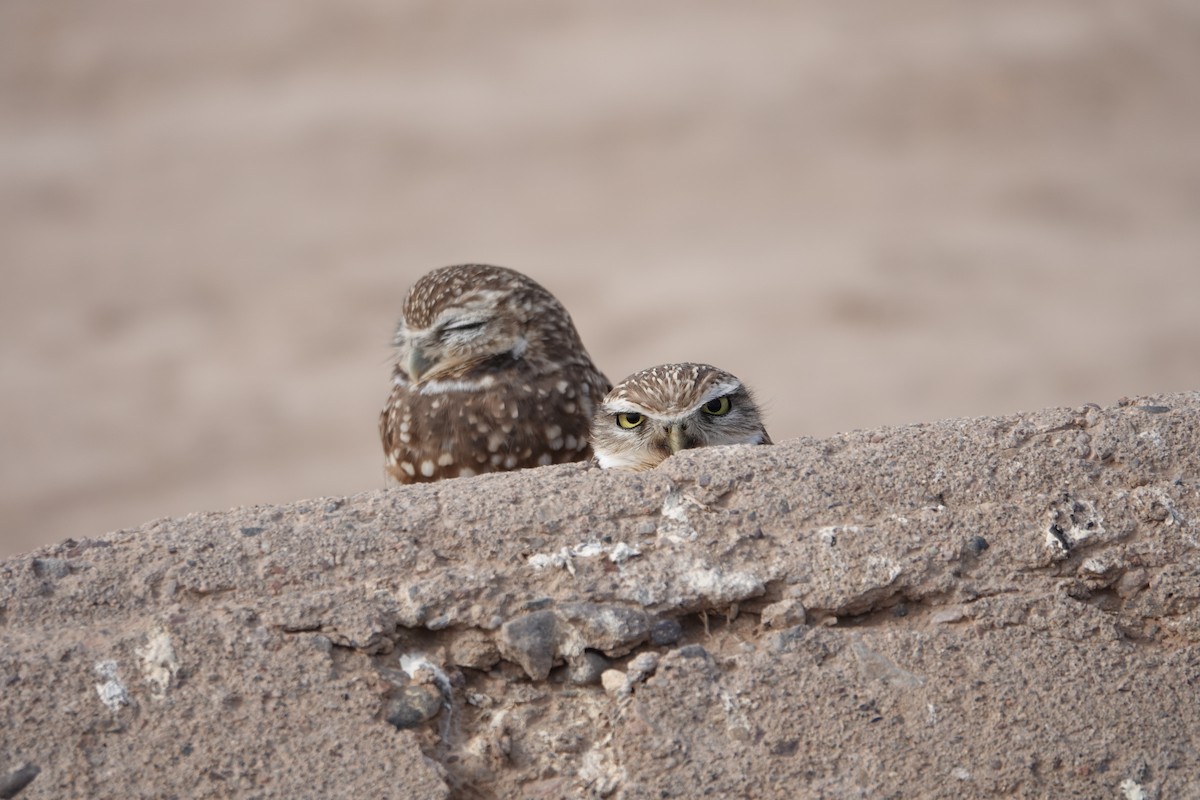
(418, 364)
(677, 439)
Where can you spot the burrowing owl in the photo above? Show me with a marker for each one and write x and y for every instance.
(490, 375)
(659, 411)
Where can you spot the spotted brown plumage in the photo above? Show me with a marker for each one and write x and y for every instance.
(490, 375)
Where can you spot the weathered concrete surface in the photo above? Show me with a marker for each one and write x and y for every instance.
(995, 607)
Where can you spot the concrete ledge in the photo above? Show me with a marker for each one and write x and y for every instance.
(989, 607)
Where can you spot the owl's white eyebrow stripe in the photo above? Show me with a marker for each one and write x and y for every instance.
(622, 406)
(619, 406)
(720, 390)
(444, 387)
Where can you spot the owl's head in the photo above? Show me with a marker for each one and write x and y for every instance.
(659, 411)
(464, 322)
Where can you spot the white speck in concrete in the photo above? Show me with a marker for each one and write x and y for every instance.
(675, 525)
(622, 552)
(565, 558)
(1132, 790)
(418, 667)
(159, 663)
(112, 691)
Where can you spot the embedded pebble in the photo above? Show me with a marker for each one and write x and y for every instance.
(947, 615)
(531, 640)
(474, 649)
(614, 683)
(606, 627)
(414, 705)
(641, 667)
(12, 783)
(784, 614)
(975, 546)
(786, 639)
(666, 632)
(1095, 568)
(587, 669)
(1132, 582)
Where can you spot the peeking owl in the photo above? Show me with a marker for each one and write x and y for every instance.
(659, 411)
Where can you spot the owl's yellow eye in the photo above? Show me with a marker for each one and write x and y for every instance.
(717, 407)
(630, 419)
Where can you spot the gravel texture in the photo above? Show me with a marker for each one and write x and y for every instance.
(990, 607)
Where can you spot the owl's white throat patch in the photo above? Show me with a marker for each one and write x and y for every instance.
(630, 459)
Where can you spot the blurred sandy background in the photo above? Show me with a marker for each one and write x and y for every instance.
(875, 212)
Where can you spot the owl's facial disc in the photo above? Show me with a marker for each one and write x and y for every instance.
(457, 342)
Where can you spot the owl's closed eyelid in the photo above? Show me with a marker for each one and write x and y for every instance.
(465, 326)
